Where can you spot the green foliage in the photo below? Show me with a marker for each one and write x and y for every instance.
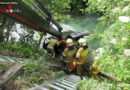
(58, 8)
(110, 31)
(34, 69)
(91, 84)
(78, 6)
(20, 49)
(38, 70)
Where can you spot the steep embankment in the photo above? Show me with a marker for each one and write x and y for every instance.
(113, 34)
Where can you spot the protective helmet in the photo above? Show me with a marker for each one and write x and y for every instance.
(82, 42)
(69, 42)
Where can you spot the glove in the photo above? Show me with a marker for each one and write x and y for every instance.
(63, 55)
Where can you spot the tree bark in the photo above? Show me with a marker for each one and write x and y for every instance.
(2, 29)
(4, 23)
(41, 36)
(109, 77)
(8, 31)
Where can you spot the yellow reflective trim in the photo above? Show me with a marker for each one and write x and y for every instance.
(74, 63)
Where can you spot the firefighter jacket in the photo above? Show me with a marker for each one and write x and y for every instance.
(82, 55)
(52, 43)
(69, 54)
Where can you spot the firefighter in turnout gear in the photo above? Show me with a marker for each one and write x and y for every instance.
(68, 54)
(95, 70)
(51, 45)
(81, 54)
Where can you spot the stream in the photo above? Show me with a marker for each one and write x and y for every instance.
(81, 23)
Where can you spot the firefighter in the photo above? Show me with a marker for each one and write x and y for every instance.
(95, 70)
(82, 58)
(68, 54)
(81, 54)
(51, 45)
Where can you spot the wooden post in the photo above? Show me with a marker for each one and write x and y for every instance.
(9, 74)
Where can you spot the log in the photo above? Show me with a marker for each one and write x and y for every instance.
(108, 77)
(10, 73)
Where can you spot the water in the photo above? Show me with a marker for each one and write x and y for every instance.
(81, 23)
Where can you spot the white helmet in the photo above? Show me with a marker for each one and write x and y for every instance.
(82, 42)
(69, 42)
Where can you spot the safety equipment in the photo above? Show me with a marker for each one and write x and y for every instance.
(51, 46)
(95, 70)
(74, 63)
(69, 42)
(62, 41)
(82, 42)
(68, 58)
(81, 55)
(69, 55)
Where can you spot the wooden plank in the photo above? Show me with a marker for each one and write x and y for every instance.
(10, 73)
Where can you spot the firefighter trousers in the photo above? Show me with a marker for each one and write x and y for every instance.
(68, 66)
(79, 69)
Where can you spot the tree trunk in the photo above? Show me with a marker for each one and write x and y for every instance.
(4, 23)
(8, 31)
(2, 29)
(41, 36)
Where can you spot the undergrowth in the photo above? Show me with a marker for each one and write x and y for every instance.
(20, 49)
(114, 38)
(37, 72)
